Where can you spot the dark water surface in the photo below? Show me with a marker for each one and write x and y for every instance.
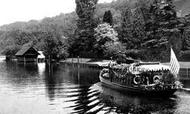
(63, 89)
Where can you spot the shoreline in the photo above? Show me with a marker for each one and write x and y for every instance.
(104, 63)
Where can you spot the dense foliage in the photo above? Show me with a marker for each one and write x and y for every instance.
(82, 44)
(141, 29)
(153, 26)
(54, 47)
(106, 37)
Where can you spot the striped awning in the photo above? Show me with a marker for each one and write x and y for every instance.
(157, 67)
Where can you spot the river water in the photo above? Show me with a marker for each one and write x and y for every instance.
(64, 89)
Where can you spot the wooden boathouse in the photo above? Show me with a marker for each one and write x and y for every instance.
(27, 53)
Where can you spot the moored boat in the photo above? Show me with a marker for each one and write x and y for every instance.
(147, 78)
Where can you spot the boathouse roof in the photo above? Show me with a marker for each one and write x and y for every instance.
(25, 48)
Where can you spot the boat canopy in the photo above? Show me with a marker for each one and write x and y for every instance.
(138, 68)
(153, 67)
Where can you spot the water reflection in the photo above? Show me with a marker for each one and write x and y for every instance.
(41, 68)
(116, 101)
(87, 100)
(20, 74)
(100, 99)
(59, 77)
(60, 88)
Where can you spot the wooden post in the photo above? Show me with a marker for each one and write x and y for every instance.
(49, 59)
(78, 61)
(78, 75)
(24, 60)
(49, 63)
(37, 60)
(187, 73)
(72, 62)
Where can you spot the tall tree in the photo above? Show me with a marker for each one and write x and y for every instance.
(83, 43)
(151, 25)
(132, 30)
(108, 17)
(125, 31)
(163, 30)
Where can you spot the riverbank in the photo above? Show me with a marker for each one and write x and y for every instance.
(87, 62)
(104, 63)
(99, 64)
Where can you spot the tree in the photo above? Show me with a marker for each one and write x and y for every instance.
(163, 29)
(114, 50)
(84, 35)
(131, 31)
(10, 50)
(104, 33)
(125, 30)
(54, 47)
(108, 17)
(186, 45)
(152, 26)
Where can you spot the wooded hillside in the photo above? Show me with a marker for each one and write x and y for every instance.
(131, 20)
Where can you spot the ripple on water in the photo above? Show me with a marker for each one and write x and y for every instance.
(83, 98)
(72, 90)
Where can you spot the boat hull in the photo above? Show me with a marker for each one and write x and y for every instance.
(137, 90)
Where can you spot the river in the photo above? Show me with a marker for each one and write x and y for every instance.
(64, 89)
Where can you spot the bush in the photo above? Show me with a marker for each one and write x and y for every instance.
(114, 50)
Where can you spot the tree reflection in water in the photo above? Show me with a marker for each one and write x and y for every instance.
(20, 74)
(75, 85)
(61, 88)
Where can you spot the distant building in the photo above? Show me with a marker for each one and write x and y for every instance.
(41, 57)
(27, 53)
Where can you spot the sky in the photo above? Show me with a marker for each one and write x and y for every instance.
(25, 10)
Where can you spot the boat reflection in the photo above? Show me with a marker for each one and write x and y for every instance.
(65, 89)
(75, 93)
(115, 101)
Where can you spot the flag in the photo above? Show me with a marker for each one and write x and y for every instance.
(174, 64)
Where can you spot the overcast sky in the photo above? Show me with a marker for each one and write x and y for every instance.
(25, 10)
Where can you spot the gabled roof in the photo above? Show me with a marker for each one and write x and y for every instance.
(25, 48)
